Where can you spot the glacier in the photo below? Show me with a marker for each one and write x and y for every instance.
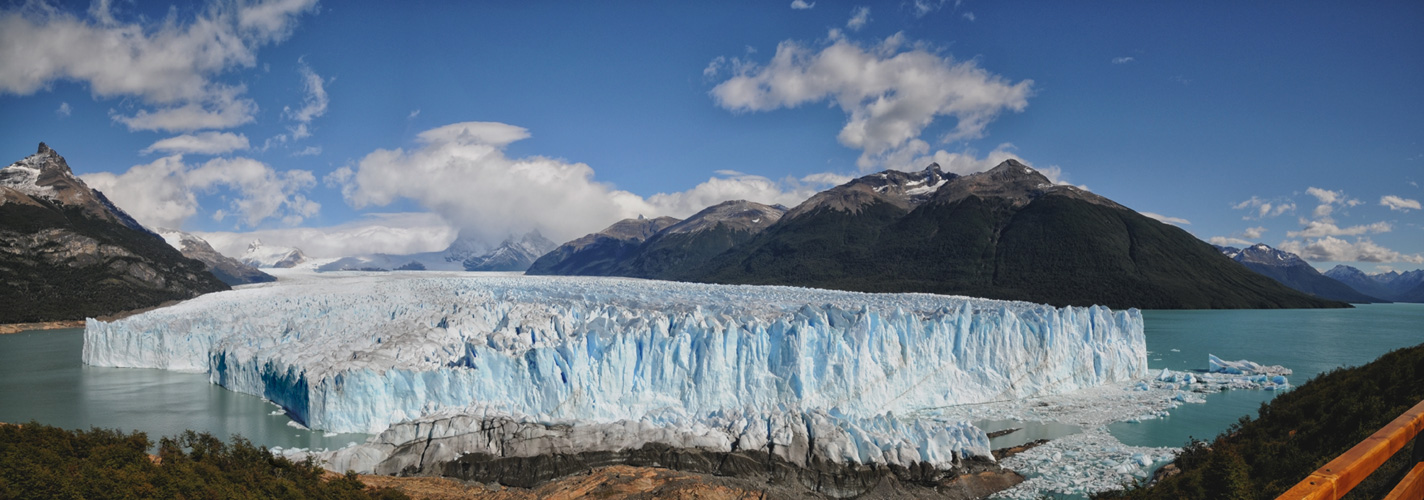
(358, 352)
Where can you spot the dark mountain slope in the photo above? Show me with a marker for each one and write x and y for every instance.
(598, 254)
(66, 253)
(701, 237)
(1008, 233)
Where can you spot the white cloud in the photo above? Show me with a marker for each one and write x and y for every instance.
(413, 114)
(858, 18)
(392, 233)
(313, 103)
(1169, 220)
(1324, 195)
(308, 151)
(1261, 209)
(1397, 203)
(1123, 60)
(922, 7)
(164, 193)
(1315, 229)
(222, 108)
(169, 63)
(64, 109)
(1229, 242)
(802, 4)
(207, 143)
(970, 16)
(1254, 232)
(460, 172)
(1332, 249)
(891, 95)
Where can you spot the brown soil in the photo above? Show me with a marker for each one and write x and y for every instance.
(618, 481)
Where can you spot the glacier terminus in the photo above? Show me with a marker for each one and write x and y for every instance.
(625, 362)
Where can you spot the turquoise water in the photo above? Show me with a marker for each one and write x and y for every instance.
(1308, 341)
(43, 379)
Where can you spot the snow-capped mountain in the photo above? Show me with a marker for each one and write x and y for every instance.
(1292, 271)
(227, 269)
(1395, 286)
(513, 254)
(260, 255)
(70, 253)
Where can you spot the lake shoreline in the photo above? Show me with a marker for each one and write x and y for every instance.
(43, 325)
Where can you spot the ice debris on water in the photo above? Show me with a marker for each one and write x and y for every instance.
(358, 353)
(1243, 367)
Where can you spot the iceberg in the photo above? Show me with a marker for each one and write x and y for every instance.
(1243, 367)
(352, 352)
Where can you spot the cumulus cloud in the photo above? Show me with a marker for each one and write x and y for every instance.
(1332, 249)
(460, 172)
(169, 64)
(858, 18)
(1123, 60)
(63, 110)
(1397, 203)
(164, 193)
(308, 151)
(1165, 219)
(390, 233)
(1316, 228)
(1261, 209)
(970, 16)
(1229, 242)
(802, 4)
(1254, 232)
(207, 143)
(890, 93)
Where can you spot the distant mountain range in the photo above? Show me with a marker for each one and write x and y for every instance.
(227, 269)
(69, 253)
(464, 254)
(1292, 271)
(1007, 233)
(1395, 286)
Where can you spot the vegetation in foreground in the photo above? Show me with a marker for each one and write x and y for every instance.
(40, 461)
(1300, 431)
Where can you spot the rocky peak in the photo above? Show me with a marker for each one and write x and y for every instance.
(1262, 253)
(905, 190)
(1016, 182)
(47, 176)
(737, 215)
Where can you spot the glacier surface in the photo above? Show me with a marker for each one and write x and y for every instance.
(352, 352)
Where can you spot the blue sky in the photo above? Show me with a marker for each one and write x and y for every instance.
(375, 126)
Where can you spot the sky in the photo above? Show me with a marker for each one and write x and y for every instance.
(357, 127)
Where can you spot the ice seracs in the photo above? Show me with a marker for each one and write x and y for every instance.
(362, 352)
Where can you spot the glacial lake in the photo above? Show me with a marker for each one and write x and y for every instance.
(42, 377)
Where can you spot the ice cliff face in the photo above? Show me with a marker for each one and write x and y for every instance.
(359, 353)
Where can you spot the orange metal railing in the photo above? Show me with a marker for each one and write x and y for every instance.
(1342, 474)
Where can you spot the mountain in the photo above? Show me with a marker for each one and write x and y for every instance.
(599, 254)
(1398, 287)
(1007, 233)
(512, 254)
(698, 239)
(69, 253)
(259, 255)
(1400, 283)
(1292, 271)
(227, 269)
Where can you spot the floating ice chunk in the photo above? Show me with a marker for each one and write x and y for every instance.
(1243, 367)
